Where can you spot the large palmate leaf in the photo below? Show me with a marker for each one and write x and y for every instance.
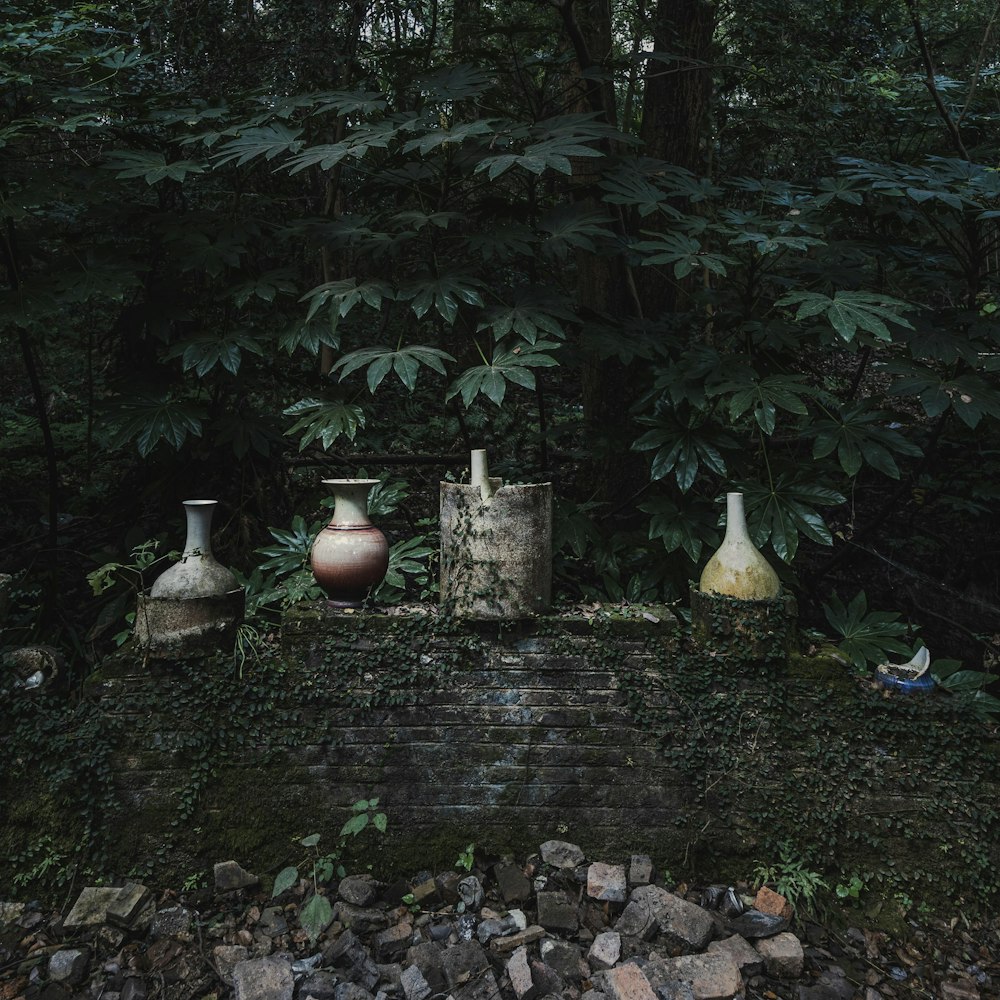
(866, 636)
(204, 352)
(343, 296)
(683, 447)
(152, 419)
(682, 250)
(573, 227)
(512, 365)
(268, 141)
(764, 395)
(848, 312)
(324, 421)
(691, 526)
(862, 435)
(970, 396)
(781, 512)
(533, 313)
(152, 167)
(291, 548)
(444, 292)
(404, 361)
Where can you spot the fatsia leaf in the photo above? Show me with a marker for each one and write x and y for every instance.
(859, 435)
(782, 511)
(152, 167)
(152, 419)
(405, 362)
(268, 141)
(324, 421)
(683, 447)
(204, 352)
(444, 292)
(848, 312)
(511, 365)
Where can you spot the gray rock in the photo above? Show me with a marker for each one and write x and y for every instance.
(561, 854)
(753, 925)
(390, 977)
(428, 957)
(606, 882)
(90, 908)
(606, 950)
(392, 941)
(519, 973)
(829, 985)
(463, 962)
(415, 987)
(489, 929)
(134, 988)
(593, 995)
(640, 870)
(556, 912)
(129, 904)
(783, 955)
(69, 966)
(627, 982)
(481, 988)
(548, 981)
(747, 959)
(226, 958)
(360, 919)
(230, 876)
(710, 976)
(512, 882)
(655, 909)
(352, 991)
(263, 979)
(565, 959)
(506, 945)
(319, 985)
(675, 991)
(471, 891)
(272, 922)
(171, 922)
(358, 890)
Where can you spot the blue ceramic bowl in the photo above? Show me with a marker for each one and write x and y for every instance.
(904, 685)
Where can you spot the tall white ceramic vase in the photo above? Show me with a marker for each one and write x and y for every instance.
(738, 569)
(198, 573)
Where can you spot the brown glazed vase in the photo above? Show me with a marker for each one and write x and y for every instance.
(350, 555)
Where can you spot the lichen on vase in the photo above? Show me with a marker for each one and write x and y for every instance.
(195, 606)
(738, 569)
(350, 556)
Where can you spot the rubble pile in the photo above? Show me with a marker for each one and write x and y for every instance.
(556, 927)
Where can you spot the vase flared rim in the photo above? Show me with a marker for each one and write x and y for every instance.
(197, 503)
(350, 482)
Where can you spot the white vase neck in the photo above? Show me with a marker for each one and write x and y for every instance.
(199, 528)
(479, 474)
(736, 521)
(350, 509)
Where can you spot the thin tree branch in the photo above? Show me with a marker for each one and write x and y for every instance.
(979, 65)
(929, 82)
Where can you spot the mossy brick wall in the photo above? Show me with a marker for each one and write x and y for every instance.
(618, 734)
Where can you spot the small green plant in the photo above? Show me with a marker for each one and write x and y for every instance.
(132, 575)
(248, 642)
(790, 877)
(851, 889)
(196, 880)
(316, 914)
(364, 814)
(866, 636)
(466, 858)
(967, 686)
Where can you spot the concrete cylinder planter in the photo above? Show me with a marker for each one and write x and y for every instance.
(195, 607)
(496, 553)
